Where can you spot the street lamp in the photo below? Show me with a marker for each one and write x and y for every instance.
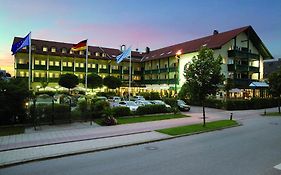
(178, 54)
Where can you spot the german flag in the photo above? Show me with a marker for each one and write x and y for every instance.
(80, 46)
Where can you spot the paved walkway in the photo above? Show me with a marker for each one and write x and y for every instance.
(59, 140)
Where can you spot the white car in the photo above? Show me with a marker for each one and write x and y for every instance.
(142, 103)
(114, 99)
(130, 104)
(160, 102)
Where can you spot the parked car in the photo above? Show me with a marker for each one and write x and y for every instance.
(130, 104)
(160, 102)
(114, 99)
(142, 103)
(139, 98)
(183, 106)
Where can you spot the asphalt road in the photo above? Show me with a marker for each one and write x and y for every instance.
(251, 149)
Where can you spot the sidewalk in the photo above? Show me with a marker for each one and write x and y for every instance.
(55, 141)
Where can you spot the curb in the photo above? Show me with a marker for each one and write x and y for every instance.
(109, 148)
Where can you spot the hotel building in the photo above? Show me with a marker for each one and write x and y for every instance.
(160, 70)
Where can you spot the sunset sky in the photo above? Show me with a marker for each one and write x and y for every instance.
(140, 23)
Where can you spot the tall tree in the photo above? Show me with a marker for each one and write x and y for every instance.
(203, 76)
(112, 82)
(68, 81)
(94, 81)
(274, 81)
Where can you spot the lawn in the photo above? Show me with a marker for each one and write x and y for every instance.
(146, 118)
(272, 114)
(11, 130)
(210, 126)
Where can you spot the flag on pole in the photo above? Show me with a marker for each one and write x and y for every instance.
(21, 44)
(123, 55)
(80, 46)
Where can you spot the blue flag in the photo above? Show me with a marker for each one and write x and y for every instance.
(123, 55)
(22, 43)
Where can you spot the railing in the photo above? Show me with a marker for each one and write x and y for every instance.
(80, 69)
(40, 67)
(116, 71)
(22, 66)
(103, 71)
(242, 68)
(242, 54)
(56, 68)
(68, 69)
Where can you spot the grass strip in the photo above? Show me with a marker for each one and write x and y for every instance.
(11, 130)
(195, 128)
(146, 118)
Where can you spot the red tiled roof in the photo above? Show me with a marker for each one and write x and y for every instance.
(212, 42)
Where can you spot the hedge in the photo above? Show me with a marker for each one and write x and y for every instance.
(171, 101)
(120, 111)
(151, 109)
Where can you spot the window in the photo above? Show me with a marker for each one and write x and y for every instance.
(81, 64)
(63, 50)
(57, 63)
(81, 76)
(103, 55)
(37, 74)
(97, 54)
(57, 75)
(69, 64)
(51, 63)
(89, 53)
(53, 49)
(71, 51)
(43, 62)
(45, 49)
(22, 74)
(81, 52)
(33, 47)
(76, 64)
(21, 61)
(51, 75)
(37, 62)
(43, 74)
(64, 64)
(89, 65)
(93, 65)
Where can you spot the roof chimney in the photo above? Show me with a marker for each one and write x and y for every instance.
(147, 50)
(215, 32)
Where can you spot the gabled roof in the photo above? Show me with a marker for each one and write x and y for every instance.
(215, 41)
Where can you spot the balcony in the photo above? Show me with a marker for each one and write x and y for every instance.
(125, 71)
(161, 81)
(137, 72)
(242, 54)
(92, 70)
(242, 68)
(22, 66)
(80, 69)
(103, 71)
(69, 69)
(155, 71)
(147, 72)
(40, 67)
(55, 68)
(163, 70)
(173, 69)
(53, 80)
(116, 71)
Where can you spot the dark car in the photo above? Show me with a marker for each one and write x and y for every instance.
(183, 106)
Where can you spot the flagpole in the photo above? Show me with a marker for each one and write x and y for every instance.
(29, 66)
(130, 73)
(86, 76)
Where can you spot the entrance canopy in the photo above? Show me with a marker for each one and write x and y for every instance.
(259, 85)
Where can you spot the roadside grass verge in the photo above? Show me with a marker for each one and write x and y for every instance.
(272, 114)
(11, 130)
(145, 118)
(196, 128)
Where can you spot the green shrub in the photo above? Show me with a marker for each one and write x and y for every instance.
(106, 94)
(109, 121)
(151, 109)
(99, 108)
(120, 111)
(214, 103)
(171, 101)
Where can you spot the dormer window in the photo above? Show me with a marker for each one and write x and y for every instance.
(97, 54)
(45, 49)
(63, 50)
(53, 49)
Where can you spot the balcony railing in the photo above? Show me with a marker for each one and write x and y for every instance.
(161, 81)
(22, 66)
(92, 70)
(242, 68)
(116, 71)
(163, 70)
(70, 69)
(173, 69)
(53, 80)
(80, 69)
(242, 54)
(40, 67)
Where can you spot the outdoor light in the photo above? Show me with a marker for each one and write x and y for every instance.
(178, 53)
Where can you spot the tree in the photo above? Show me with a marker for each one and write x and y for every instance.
(274, 81)
(203, 76)
(68, 81)
(112, 82)
(94, 81)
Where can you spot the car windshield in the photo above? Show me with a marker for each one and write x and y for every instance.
(131, 103)
(180, 102)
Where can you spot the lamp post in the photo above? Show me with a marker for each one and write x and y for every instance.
(178, 54)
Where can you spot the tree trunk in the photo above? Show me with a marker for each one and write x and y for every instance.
(204, 116)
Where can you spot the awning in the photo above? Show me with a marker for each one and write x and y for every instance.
(236, 90)
(259, 85)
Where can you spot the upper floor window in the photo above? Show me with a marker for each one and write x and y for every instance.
(63, 50)
(53, 49)
(103, 55)
(37, 62)
(51, 63)
(57, 63)
(69, 64)
(43, 62)
(81, 52)
(97, 54)
(45, 49)
(89, 53)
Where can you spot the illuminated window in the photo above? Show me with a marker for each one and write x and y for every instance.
(63, 50)
(37, 74)
(53, 49)
(36, 62)
(51, 63)
(43, 74)
(89, 65)
(81, 64)
(64, 64)
(76, 64)
(71, 51)
(103, 55)
(51, 75)
(57, 75)
(22, 74)
(45, 49)
(43, 62)
(69, 64)
(57, 63)
(21, 61)
(81, 52)
(89, 53)
(93, 65)
(97, 54)
(81, 76)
